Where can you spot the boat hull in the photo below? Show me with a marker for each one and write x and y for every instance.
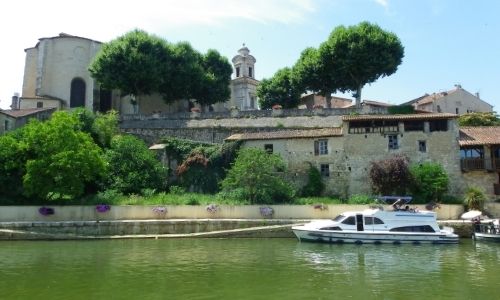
(492, 237)
(366, 237)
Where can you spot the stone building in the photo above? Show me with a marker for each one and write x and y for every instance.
(480, 158)
(457, 101)
(343, 154)
(244, 85)
(56, 75)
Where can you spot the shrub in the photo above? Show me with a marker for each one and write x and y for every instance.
(430, 182)
(260, 177)
(177, 190)
(474, 199)
(315, 185)
(390, 176)
(132, 166)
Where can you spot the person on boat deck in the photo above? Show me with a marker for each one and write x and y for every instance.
(397, 205)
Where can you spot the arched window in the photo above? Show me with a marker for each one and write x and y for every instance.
(77, 98)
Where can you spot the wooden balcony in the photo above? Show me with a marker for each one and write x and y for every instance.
(468, 164)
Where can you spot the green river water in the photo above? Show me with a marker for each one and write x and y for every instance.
(246, 269)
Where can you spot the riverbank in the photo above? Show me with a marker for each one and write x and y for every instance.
(156, 229)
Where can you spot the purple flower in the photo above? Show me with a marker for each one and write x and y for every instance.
(266, 211)
(46, 211)
(212, 208)
(159, 210)
(102, 208)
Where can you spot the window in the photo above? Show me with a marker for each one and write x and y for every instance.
(268, 148)
(393, 141)
(414, 126)
(325, 170)
(39, 104)
(349, 221)
(321, 147)
(373, 220)
(422, 228)
(237, 71)
(439, 108)
(438, 125)
(250, 72)
(456, 111)
(422, 146)
(77, 95)
(6, 125)
(471, 153)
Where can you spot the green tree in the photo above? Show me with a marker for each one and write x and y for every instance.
(280, 89)
(132, 167)
(360, 54)
(61, 159)
(310, 73)
(390, 176)
(258, 175)
(216, 77)
(12, 166)
(102, 127)
(479, 119)
(430, 181)
(135, 63)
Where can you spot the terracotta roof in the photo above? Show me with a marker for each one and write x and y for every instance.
(19, 113)
(480, 135)
(425, 116)
(287, 134)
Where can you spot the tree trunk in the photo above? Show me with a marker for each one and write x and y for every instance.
(358, 96)
(328, 98)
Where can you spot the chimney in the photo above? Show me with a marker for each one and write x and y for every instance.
(15, 102)
(477, 95)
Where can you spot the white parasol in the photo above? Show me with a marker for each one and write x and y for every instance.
(471, 214)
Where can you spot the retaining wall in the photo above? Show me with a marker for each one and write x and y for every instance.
(136, 212)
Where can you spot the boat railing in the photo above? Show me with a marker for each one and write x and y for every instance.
(487, 228)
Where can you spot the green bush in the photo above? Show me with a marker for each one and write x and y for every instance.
(260, 177)
(474, 199)
(315, 185)
(430, 182)
(132, 167)
(177, 190)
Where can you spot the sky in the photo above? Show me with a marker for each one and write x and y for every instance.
(447, 42)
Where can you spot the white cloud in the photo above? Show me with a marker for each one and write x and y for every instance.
(384, 3)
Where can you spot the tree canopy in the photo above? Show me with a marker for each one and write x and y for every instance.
(479, 119)
(350, 58)
(280, 89)
(138, 63)
(360, 54)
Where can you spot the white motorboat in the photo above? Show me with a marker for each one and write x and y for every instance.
(377, 226)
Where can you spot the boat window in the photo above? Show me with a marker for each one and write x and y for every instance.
(372, 220)
(423, 228)
(338, 218)
(349, 221)
(331, 228)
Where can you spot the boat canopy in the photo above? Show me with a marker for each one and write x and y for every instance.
(391, 200)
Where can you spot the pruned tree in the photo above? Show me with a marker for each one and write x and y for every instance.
(360, 54)
(135, 63)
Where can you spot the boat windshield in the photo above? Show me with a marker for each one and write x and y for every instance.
(339, 218)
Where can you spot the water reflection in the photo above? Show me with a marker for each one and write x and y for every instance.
(245, 269)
